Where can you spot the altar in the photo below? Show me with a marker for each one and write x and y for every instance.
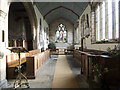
(61, 49)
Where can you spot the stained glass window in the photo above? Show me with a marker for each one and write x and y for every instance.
(61, 33)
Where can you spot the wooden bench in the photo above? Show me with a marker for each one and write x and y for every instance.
(17, 63)
(89, 57)
(86, 58)
(12, 62)
(34, 63)
(33, 52)
(10, 71)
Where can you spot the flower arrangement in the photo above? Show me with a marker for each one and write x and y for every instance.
(103, 41)
(95, 80)
(56, 41)
(106, 40)
(98, 71)
(52, 45)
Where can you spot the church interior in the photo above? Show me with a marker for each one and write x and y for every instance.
(59, 44)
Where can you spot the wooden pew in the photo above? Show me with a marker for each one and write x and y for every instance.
(12, 62)
(89, 57)
(34, 63)
(86, 58)
(33, 52)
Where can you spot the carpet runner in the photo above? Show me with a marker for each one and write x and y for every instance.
(63, 76)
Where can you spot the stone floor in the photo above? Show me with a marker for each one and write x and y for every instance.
(45, 76)
(63, 76)
(75, 67)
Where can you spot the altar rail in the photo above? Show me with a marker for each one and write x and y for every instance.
(62, 52)
(54, 51)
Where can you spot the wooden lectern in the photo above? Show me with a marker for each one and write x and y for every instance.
(18, 82)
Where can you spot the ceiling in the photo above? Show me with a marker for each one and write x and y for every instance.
(68, 10)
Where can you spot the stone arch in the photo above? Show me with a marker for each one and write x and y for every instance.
(31, 12)
(32, 18)
(69, 28)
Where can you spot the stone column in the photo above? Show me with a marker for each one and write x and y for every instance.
(3, 80)
(93, 36)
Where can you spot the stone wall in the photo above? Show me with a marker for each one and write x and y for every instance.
(42, 31)
(4, 13)
(19, 26)
(87, 42)
(3, 44)
(2, 49)
(69, 27)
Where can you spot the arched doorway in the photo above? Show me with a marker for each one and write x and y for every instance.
(20, 26)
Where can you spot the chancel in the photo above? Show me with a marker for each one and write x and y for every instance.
(59, 44)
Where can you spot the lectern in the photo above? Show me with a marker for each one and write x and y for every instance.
(18, 82)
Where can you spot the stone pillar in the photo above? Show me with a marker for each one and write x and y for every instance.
(93, 36)
(3, 80)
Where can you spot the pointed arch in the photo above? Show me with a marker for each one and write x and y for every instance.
(61, 7)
